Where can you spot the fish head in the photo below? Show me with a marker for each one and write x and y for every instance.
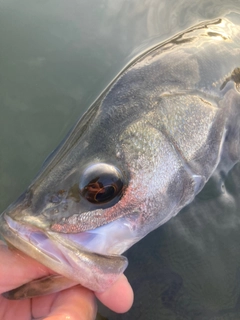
(89, 202)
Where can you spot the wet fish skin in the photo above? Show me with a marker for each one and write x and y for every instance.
(166, 123)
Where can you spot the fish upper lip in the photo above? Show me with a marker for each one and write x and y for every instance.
(33, 235)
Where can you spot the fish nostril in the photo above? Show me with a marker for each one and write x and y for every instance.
(57, 197)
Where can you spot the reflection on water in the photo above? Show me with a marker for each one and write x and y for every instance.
(55, 59)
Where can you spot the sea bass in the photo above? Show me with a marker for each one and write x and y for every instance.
(144, 149)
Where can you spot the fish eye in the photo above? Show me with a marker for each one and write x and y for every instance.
(101, 183)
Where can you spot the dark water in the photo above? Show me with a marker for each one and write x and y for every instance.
(55, 58)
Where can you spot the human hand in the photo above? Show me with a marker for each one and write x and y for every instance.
(77, 303)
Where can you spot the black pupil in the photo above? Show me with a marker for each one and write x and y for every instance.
(101, 184)
(105, 194)
(97, 191)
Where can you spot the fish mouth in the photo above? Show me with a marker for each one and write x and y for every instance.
(75, 256)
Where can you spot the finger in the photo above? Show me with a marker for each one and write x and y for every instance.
(10, 310)
(119, 297)
(16, 268)
(41, 306)
(77, 303)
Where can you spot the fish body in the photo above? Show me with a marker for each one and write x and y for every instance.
(144, 149)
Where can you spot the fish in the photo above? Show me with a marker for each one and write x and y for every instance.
(144, 149)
